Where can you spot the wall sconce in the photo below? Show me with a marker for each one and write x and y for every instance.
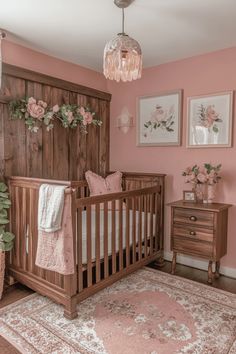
(125, 121)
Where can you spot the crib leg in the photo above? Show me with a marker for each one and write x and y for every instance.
(70, 309)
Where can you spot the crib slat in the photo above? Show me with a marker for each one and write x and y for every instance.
(140, 201)
(80, 248)
(134, 229)
(127, 233)
(113, 236)
(89, 246)
(145, 224)
(23, 229)
(151, 223)
(17, 238)
(98, 271)
(121, 264)
(106, 269)
(31, 216)
(156, 231)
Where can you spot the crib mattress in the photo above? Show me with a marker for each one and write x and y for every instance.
(93, 231)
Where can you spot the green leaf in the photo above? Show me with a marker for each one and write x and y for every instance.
(3, 187)
(6, 246)
(8, 237)
(3, 213)
(215, 129)
(4, 221)
(4, 195)
(5, 202)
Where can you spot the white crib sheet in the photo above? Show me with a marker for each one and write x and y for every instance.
(93, 231)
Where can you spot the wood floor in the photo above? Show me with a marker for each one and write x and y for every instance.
(18, 291)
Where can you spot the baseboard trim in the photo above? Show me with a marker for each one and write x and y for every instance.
(199, 264)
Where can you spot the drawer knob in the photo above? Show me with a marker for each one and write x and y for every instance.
(193, 218)
(192, 233)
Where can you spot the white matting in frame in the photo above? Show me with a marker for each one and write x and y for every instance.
(159, 119)
(210, 120)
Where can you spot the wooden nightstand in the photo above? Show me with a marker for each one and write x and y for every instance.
(199, 230)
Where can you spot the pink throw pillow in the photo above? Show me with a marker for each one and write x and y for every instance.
(99, 185)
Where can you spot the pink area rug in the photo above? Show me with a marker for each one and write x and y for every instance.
(148, 312)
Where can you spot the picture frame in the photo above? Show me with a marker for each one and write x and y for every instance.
(159, 119)
(189, 197)
(209, 120)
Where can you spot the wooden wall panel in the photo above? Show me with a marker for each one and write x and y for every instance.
(34, 142)
(58, 154)
(81, 143)
(14, 131)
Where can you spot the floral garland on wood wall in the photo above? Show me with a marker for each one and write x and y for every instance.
(35, 113)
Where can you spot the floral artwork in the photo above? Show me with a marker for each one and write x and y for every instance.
(159, 119)
(210, 120)
(35, 113)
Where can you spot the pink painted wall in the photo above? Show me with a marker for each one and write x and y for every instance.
(27, 58)
(203, 74)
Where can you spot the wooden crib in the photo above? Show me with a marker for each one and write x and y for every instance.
(137, 229)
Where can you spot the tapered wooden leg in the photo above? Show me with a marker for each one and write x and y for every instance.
(217, 272)
(160, 262)
(210, 273)
(70, 309)
(173, 266)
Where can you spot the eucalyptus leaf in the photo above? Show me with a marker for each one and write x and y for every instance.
(4, 221)
(3, 213)
(8, 237)
(4, 195)
(3, 187)
(6, 246)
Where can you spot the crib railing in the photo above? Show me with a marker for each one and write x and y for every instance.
(129, 234)
(113, 235)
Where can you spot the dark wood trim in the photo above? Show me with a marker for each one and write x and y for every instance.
(26, 74)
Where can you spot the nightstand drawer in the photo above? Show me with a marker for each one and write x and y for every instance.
(192, 247)
(193, 232)
(193, 216)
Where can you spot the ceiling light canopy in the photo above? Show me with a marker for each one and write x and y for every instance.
(123, 54)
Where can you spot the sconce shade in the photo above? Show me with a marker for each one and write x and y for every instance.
(122, 59)
(125, 121)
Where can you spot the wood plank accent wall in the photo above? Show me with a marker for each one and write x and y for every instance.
(58, 154)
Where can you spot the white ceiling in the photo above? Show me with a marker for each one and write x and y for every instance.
(77, 30)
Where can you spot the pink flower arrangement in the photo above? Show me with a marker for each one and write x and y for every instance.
(207, 174)
(36, 113)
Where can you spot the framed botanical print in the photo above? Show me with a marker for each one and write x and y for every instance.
(159, 119)
(210, 120)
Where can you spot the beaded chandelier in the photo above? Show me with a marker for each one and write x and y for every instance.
(123, 54)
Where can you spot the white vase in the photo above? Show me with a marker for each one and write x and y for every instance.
(201, 192)
(211, 193)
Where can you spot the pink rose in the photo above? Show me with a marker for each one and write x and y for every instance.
(202, 178)
(35, 111)
(70, 117)
(31, 100)
(55, 108)
(87, 118)
(82, 111)
(42, 104)
(159, 115)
